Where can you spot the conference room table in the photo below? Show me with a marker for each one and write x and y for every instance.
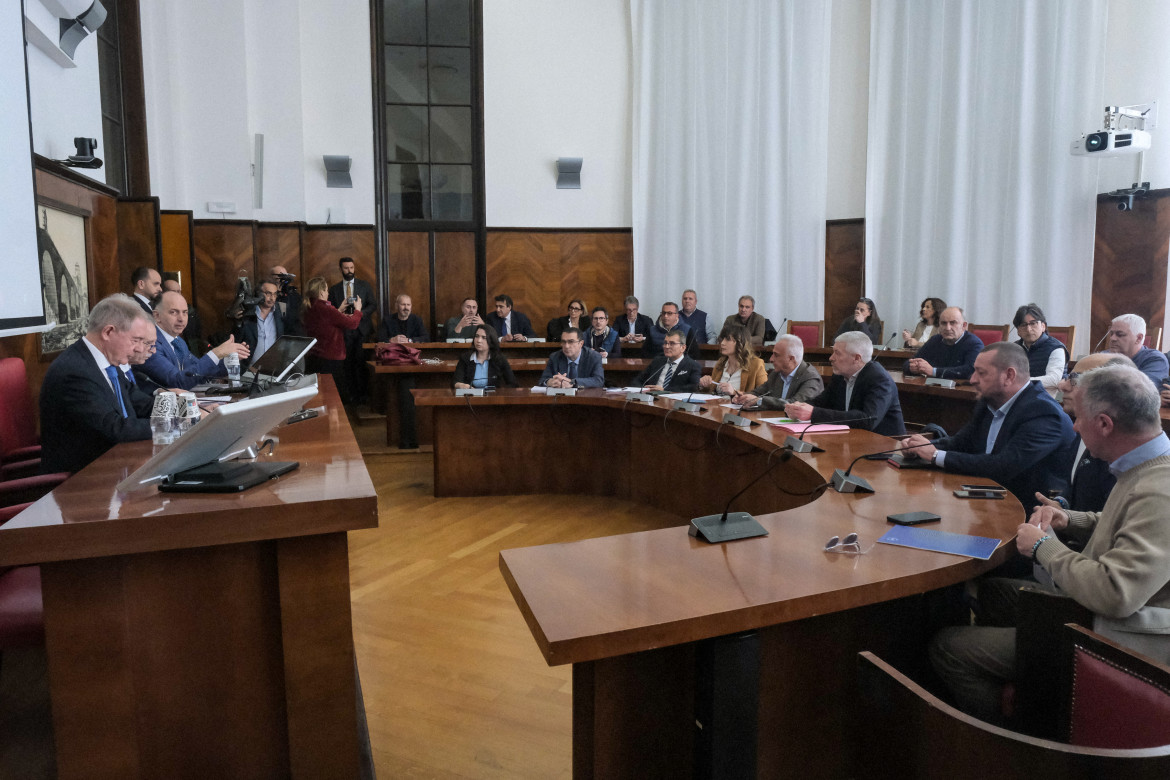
(756, 639)
(203, 635)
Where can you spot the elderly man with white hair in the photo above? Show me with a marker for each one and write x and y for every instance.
(792, 380)
(1123, 573)
(861, 393)
(1127, 336)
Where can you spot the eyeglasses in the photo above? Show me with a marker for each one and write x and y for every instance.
(575, 308)
(1029, 324)
(850, 545)
(1071, 377)
(672, 343)
(599, 317)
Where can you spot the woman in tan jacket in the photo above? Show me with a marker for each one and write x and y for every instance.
(737, 369)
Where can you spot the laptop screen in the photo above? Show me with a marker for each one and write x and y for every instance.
(279, 359)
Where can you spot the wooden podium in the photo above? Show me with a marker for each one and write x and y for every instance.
(203, 635)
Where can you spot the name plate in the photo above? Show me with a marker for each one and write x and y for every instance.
(462, 391)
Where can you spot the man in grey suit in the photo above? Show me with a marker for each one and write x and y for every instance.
(791, 381)
(573, 366)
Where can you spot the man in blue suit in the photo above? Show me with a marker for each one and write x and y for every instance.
(86, 408)
(573, 366)
(172, 364)
(1018, 436)
(510, 325)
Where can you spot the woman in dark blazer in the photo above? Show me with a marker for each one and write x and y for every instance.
(865, 320)
(484, 359)
(574, 319)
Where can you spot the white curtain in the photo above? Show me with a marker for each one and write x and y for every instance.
(971, 193)
(729, 153)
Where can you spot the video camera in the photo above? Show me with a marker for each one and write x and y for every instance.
(244, 301)
(287, 287)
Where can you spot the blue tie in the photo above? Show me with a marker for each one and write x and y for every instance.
(504, 326)
(112, 372)
(181, 351)
(573, 371)
(130, 377)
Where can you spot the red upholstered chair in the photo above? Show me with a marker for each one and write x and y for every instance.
(22, 618)
(1065, 334)
(810, 332)
(1118, 699)
(18, 432)
(989, 334)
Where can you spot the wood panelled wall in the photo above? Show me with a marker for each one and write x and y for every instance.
(1129, 263)
(844, 271)
(544, 270)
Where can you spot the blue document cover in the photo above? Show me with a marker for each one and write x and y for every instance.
(980, 547)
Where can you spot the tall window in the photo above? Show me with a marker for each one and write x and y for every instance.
(110, 80)
(432, 126)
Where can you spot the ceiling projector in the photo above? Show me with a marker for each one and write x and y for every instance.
(1111, 143)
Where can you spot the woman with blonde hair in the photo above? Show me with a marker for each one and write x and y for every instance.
(737, 369)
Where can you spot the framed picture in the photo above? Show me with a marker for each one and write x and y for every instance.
(65, 274)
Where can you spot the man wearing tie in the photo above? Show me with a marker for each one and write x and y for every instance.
(172, 364)
(511, 325)
(573, 366)
(85, 407)
(341, 295)
(672, 371)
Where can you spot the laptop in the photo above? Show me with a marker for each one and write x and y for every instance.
(273, 367)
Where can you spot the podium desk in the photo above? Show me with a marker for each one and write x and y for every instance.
(644, 618)
(203, 635)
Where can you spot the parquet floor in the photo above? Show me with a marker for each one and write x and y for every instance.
(454, 684)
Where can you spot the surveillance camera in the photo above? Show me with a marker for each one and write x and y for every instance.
(1125, 205)
(1111, 143)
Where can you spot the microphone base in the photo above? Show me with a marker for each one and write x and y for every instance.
(473, 391)
(714, 530)
(569, 391)
(645, 398)
(949, 384)
(850, 484)
(739, 422)
(799, 445)
(688, 406)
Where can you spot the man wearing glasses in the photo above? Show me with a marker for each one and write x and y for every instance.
(261, 327)
(573, 366)
(1047, 357)
(672, 371)
(668, 320)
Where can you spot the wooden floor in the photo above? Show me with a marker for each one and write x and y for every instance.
(454, 684)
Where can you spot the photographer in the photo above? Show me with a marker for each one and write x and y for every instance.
(288, 300)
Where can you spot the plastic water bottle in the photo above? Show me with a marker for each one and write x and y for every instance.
(232, 362)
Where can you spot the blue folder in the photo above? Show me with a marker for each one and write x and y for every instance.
(980, 547)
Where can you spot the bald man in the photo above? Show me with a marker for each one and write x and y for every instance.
(172, 365)
(950, 353)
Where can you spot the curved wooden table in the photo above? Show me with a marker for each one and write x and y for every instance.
(652, 621)
(203, 635)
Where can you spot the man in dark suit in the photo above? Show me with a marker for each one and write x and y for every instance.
(791, 381)
(86, 407)
(672, 371)
(950, 353)
(510, 325)
(633, 328)
(861, 393)
(341, 295)
(172, 365)
(403, 327)
(573, 366)
(1017, 436)
(147, 284)
(261, 327)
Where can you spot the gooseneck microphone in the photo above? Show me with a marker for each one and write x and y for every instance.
(730, 526)
(844, 482)
(1102, 341)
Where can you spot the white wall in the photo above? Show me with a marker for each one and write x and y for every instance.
(557, 84)
(297, 73)
(65, 103)
(848, 110)
(1137, 70)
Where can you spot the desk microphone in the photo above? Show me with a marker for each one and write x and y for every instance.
(689, 405)
(887, 344)
(727, 527)
(842, 482)
(798, 444)
(1102, 341)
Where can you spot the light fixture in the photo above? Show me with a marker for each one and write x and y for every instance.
(337, 170)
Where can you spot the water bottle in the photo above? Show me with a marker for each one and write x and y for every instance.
(232, 362)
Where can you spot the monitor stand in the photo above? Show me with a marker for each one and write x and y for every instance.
(225, 477)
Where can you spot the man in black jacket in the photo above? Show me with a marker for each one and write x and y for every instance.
(341, 295)
(672, 371)
(861, 393)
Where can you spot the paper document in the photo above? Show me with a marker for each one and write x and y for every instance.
(697, 398)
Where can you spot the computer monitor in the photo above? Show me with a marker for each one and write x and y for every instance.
(227, 430)
(279, 360)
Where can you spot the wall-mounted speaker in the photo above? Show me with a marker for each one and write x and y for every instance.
(569, 173)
